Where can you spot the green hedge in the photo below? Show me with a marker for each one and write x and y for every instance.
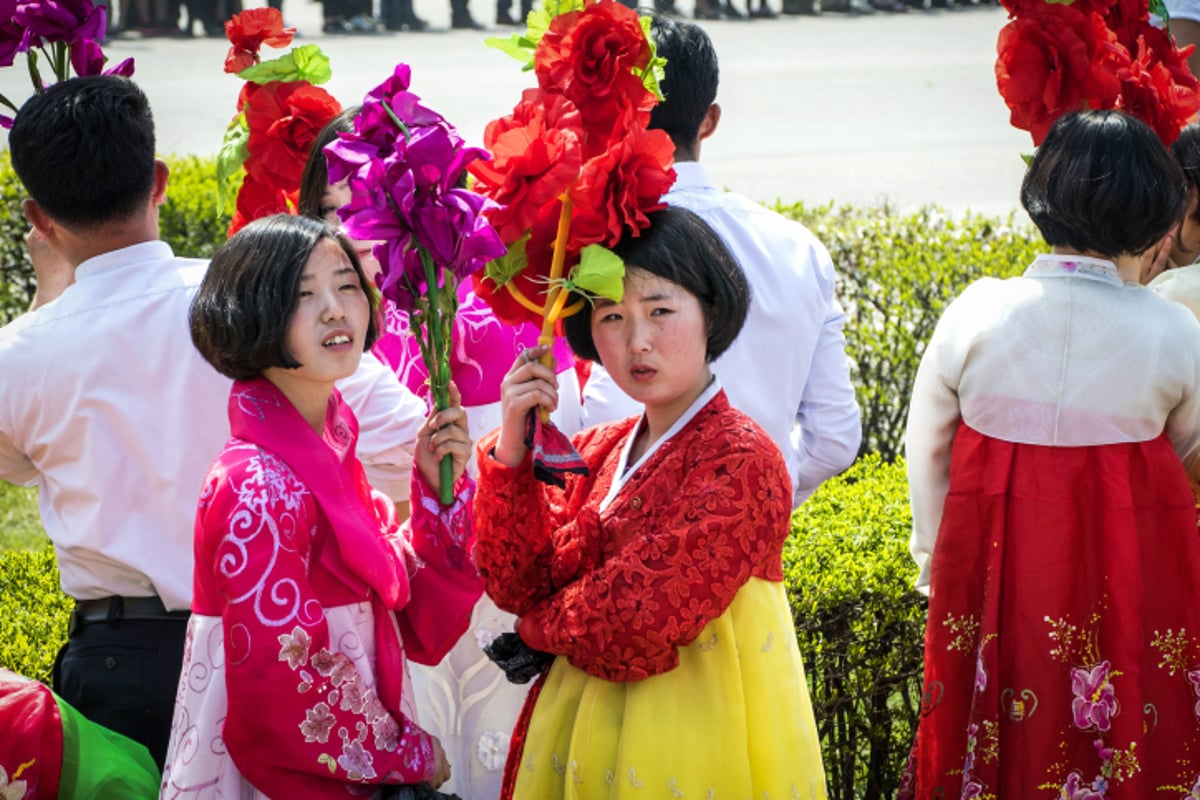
(860, 624)
(897, 272)
(34, 611)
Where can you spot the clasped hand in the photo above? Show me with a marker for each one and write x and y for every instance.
(445, 433)
(529, 384)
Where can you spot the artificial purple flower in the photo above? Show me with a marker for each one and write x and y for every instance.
(394, 92)
(11, 33)
(50, 21)
(88, 59)
(1095, 699)
(124, 68)
(404, 182)
(347, 155)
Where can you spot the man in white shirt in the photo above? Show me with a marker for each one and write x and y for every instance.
(108, 408)
(788, 369)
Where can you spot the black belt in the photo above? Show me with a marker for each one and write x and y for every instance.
(111, 609)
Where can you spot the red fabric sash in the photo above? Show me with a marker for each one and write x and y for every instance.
(327, 465)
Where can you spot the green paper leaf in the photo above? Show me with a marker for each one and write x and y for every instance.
(655, 70)
(600, 271)
(521, 46)
(508, 266)
(516, 46)
(305, 63)
(230, 159)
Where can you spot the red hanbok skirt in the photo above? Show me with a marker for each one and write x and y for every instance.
(1062, 652)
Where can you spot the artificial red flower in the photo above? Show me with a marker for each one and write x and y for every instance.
(256, 200)
(617, 188)
(595, 57)
(1128, 19)
(284, 120)
(249, 30)
(536, 154)
(1161, 47)
(1056, 60)
(1150, 92)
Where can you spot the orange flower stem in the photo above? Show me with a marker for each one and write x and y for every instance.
(520, 297)
(552, 295)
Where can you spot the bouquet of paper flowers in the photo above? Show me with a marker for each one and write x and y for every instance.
(280, 111)
(67, 34)
(406, 169)
(1054, 57)
(573, 166)
(573, 170)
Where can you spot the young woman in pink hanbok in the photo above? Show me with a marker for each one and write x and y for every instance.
(308, 595)
(465, 699)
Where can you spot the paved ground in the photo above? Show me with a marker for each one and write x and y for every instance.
(855, 109)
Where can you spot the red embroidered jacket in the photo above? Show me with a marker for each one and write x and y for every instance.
(618, 591)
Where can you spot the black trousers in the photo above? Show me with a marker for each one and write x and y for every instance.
(124, 675)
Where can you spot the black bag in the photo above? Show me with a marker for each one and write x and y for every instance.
(520, 662)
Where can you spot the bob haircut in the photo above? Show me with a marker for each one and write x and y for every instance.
(681, 248)
(1103, 182)
(240, 316)
(315, 178)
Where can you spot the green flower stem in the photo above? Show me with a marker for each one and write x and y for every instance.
(439, 367)
(34, 75)
(5, 101)
(60, 60)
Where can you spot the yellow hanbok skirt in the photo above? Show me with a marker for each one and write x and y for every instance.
(732, 722)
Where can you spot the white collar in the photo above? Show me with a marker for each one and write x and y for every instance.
(155, 250)
(690, 175)
(1051, 265)
(623, 475)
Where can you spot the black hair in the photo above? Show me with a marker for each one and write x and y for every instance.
(84, 149)
(315, 178)
(681, 248)
(1186, 151)
(1103, 182)
(240, 316)
(690, 80)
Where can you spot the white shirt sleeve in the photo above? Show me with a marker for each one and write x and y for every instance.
(389, 417)
(15, 466)
(829, 426)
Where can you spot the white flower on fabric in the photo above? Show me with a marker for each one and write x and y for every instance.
(319, 721)
(357, 762)
(484, 636)
(14, 790)
(294, 647)
(492, 750)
